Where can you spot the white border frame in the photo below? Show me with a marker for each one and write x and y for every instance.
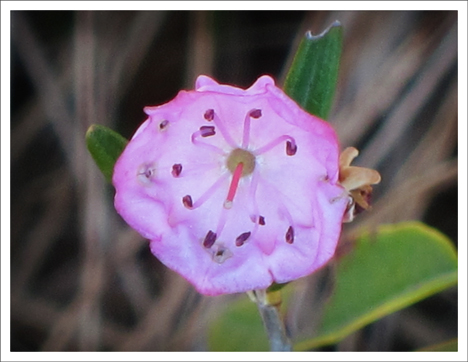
(8, 6)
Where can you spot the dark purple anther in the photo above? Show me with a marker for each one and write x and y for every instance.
(187, 201)
(261, 220)
(163, 125)
(290, 235)
(148, 173)
(209, 115)
(210, 239)
(291, 148)
(242, 238)
(176, 169)
(207, 131)
(256, 113)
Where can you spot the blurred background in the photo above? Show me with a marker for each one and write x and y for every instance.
(81, 280)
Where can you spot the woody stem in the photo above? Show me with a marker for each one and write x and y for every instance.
(272, 321)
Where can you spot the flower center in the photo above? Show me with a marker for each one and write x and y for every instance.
(245, 157)
(241, 163)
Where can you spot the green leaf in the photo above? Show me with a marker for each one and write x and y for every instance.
(105, 145)
(311, 80)
(386, 271)
(239, 328)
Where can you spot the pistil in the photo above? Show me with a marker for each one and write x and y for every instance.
(234, 184)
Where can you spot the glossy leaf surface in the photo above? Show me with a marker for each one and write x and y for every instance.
(311, 80)
(386, 271)
(105, 146)
(393, 268)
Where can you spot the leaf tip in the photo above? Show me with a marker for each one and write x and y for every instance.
(90, 133)
(310, 36)
(91, 129)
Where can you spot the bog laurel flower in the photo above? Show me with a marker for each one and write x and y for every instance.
(234, 188)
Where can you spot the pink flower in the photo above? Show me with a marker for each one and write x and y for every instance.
(235, 188)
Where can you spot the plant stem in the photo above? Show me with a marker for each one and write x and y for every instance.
(272, 321)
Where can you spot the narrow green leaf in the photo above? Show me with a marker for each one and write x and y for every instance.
(311, 80)
(386, 271)
(105, 146)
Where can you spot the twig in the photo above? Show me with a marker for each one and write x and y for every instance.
(390, 205)
(400, 119)
(50, 94)
(200, 59)
(144, 28)
(272, 321)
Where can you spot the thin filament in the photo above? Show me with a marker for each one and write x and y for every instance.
(253, 192)
(253, 113)
(227, 137)
(246, 135)
(273, 144)
(222, 221)
(196, 140)
(206, 195)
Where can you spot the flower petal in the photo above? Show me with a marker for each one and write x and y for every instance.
(355, 177)
(278, 221)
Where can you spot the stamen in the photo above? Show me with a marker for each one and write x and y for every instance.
(233, 187)
(210, 239)
(292, 145)
(163, 125)
(209, 115)
(211, 190)
(176, 169)
(222, 221)
(197, 141)
(290, 235)
(223, 130)
(187, 201)
(253, 197)
(146, 173)
(242, 238)
(258, 219)
(254, 113)
(207, 131)
(221, 255)
(291, 148)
